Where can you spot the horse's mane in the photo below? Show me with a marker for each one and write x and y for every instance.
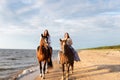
(68, 50)
(38, 48)
(69, 53)
(42, 48)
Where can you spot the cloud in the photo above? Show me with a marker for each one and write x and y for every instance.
(82, 17)
(36, 4)
(58, 14)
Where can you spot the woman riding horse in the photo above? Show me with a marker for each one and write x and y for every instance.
(44, 53)
(66, 58)
(69, 43)
(46, 34)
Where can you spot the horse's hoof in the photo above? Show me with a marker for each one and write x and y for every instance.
(67, 75)
(43, 77)
(71, 72)
(67, 78)
(40, 75)
(62, 78)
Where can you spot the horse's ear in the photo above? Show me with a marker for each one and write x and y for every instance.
(41, 35)
(60, 40)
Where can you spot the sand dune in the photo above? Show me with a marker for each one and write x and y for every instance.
(94, 65)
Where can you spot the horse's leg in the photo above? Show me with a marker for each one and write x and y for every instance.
(72, 67)
(67, 75)
(63, 69)
(44, 68)
(50, 51)
(50, 64)
(40, 68)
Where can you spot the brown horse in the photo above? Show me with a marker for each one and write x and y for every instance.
(66, 58)
(43, 54)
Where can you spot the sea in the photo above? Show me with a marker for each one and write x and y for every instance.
(12, 61)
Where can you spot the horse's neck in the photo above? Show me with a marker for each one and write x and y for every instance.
(41, 45)
(67, 49)
(41, 49)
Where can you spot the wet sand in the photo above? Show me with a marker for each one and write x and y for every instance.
(94, 65)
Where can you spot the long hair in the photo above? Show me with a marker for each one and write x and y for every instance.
(67, 35)
(46, 33)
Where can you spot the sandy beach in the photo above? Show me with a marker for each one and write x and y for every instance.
(94, 65)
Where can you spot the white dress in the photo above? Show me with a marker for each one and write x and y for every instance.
(69, 42)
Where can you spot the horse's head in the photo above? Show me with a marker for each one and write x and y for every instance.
(44, 41)
(63, 44)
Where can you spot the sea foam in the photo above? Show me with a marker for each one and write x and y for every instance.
(26, 72)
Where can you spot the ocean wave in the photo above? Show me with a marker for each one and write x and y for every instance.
(12, 59)
(3, 69)
(26, 72)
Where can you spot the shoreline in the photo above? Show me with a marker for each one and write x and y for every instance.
(94, 65)
(27, 70)
(34, 71)
(21, 73)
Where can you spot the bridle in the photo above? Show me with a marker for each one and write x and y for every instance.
(63, 44)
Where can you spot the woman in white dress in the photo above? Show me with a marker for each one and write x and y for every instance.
(69, 43)
(46, 34)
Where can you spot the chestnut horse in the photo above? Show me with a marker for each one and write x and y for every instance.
(43, 54)
(66, 58)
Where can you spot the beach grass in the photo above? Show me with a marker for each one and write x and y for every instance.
(115, 47)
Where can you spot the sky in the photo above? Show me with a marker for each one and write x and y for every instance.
(90, 23)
